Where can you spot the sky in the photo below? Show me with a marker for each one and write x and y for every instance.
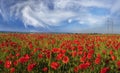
(73, 16)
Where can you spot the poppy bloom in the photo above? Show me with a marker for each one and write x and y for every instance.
(91, 51)
(30, 46)
(97, 61)
(89, 56)
(59, 56)
(83, 66)
(104, 70)
(12, 70)
(40, 56)
(76, 69)
(65, 59)
(98, 56)
(30, 67)
(118, 64)
(83, 59)
(80, 48)
(18, 54)
(15, 63)
(48, 56)
(54, 65)
(63, 51)
(7, 64)
(80, 53)
(111, 52)
(113, 57)
(1, 62)
(24, 58)
(45, 69)
(55, 50)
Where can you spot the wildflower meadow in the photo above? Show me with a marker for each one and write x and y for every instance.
(59, 53)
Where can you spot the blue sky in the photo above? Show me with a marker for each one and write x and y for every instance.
(75, 16)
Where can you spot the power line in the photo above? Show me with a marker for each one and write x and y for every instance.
(110, 26)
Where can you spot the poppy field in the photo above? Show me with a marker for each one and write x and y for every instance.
(59, 53)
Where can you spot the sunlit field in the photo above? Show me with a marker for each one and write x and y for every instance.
(59, 53)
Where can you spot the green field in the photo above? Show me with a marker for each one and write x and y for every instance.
(59, 53)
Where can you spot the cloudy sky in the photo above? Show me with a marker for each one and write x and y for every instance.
(76, 16)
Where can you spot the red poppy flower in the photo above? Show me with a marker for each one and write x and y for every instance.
(104, 70)
(59, 56)
(54, 65)
(30, 46)
(83, 66)
(55, 50)
(63, 51)
(76, 69)
(12, 70)
(118, 64)
(80, 48)
(24, 58)
(48, 56)
(113, 57)
(111, 52)
(30, 67)
(98, 56)
(15, 63)
(80, 53)
(89, 56)
(18, 54)
(83, 59)
(1, 61)
(45, 69)
(97, 61)
(7, 64)
(91, 51)
(65, 59)
(40, 56)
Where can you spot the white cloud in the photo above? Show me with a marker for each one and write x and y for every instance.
(81, 22)
(37, 13)
(91, 20)
(0, 11)
(61, 4)
(28, 19)
(40, 15)
(115, 7)
(69, 20)
(95, 3)
(47, 17)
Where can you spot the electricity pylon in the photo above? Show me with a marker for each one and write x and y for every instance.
(110, 26)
